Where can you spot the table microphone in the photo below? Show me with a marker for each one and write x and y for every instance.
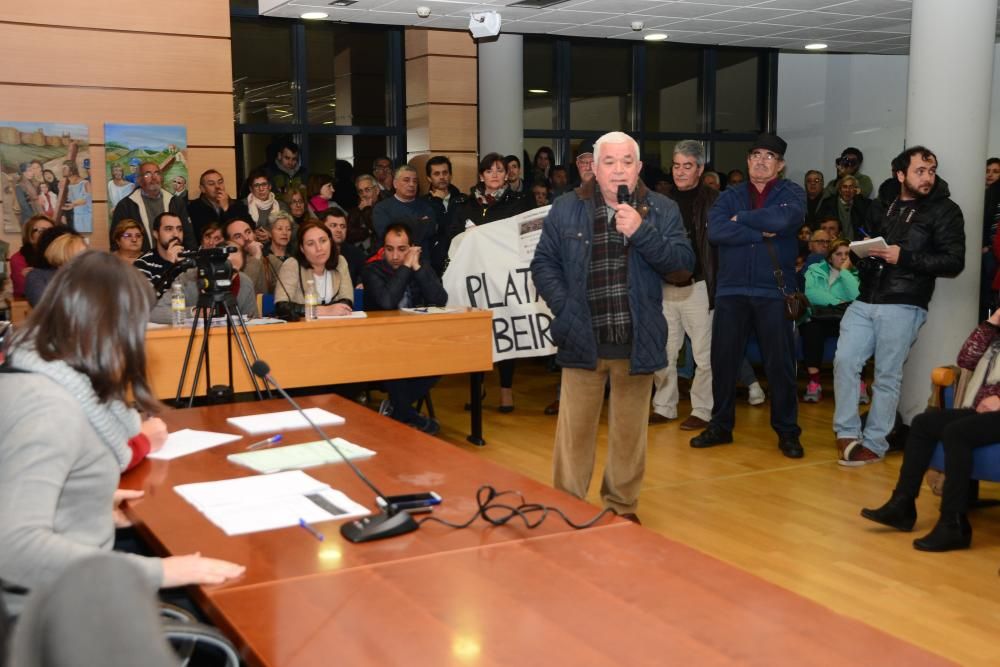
(376, 526)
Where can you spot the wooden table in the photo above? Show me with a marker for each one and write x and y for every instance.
(615, 594)
(382, 346)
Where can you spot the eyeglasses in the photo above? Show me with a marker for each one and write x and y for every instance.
(368, 189)
(821, 241)
(766, 156)
(131, 236)
(149, 174)
(261, 185)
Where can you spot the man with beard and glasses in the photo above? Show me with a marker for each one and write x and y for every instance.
(924, 231)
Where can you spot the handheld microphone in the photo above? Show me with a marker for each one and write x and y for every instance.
(377, 526)
(623, 198)
(623, 194)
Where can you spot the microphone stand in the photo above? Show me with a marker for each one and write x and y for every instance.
(380, 525)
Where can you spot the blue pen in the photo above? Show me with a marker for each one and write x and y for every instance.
(864, 232)
(264, 443)
(315, 533)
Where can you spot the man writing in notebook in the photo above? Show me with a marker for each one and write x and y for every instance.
(925, 237)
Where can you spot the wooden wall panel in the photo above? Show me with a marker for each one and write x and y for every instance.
(180, 17)
(442, 127)
(442, 79)
(68, 57)
(422, 42)
(207, 116)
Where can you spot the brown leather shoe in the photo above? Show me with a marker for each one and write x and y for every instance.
(631, 516)
(552, 408)
(842, 444)
(693, 423)
(657, 418)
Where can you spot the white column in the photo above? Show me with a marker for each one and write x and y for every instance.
(501, 95)
(948, 111)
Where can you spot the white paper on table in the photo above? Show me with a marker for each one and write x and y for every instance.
(265, 502)
(355, 315)
(282, 513)
(297, 457)
(259, 488)
(864, 248)
(188, 441)
(273, 422)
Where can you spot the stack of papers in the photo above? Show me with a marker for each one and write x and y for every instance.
(189, 441)
(863, 248)
(356, 314)
(293, 457)
(265, 502)
(274, 422)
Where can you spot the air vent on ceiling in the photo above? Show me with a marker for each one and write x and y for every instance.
(536, 4)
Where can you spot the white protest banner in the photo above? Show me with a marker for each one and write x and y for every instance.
(490, 268)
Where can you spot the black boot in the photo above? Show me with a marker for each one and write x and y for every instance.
(899, 513)
(952, 531)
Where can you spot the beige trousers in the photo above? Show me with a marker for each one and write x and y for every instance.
(576, 432)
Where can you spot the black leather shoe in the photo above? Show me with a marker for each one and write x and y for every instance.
(900, 512)
(790, 446)
(951, 532)
(712, 436)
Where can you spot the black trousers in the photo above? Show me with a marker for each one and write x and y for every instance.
(735, 317)
(404, 394)
(814, 334)
(506, 369)
(961, 431)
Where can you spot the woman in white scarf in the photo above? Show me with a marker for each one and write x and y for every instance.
(264, 207)
(975, 423)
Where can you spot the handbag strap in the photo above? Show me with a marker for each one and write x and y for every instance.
(779, 275)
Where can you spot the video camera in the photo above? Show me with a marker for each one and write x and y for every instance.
(215, 273)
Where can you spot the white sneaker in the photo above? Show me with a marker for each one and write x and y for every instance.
(756, 396)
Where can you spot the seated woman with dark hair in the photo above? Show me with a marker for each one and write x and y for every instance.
(69, 378)
(316, 260)
(830, 286)
(57, 246)
(24, 260)
(974, 423)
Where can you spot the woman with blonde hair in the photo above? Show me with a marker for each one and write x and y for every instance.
(57, 246)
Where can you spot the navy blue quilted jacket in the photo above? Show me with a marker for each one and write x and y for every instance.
(658, 248)
(745, 268)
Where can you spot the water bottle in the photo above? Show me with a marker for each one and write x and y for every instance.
(178, 306)
(311, 300)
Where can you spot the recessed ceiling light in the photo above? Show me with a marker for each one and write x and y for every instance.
(314, 15)
(538, 91)
(815, 46)
(656, 37)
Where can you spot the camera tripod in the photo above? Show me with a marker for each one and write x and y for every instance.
(208, 304)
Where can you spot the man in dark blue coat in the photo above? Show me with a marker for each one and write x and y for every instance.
(755, 225)
(600, 266)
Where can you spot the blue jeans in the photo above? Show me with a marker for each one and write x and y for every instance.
(886, 331)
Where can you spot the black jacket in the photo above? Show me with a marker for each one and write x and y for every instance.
(447, 222)
(931, 242)
(708, 254)
(510, 203)
(385, 286)
(202, 213)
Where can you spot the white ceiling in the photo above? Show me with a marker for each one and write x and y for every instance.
(854, 26)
